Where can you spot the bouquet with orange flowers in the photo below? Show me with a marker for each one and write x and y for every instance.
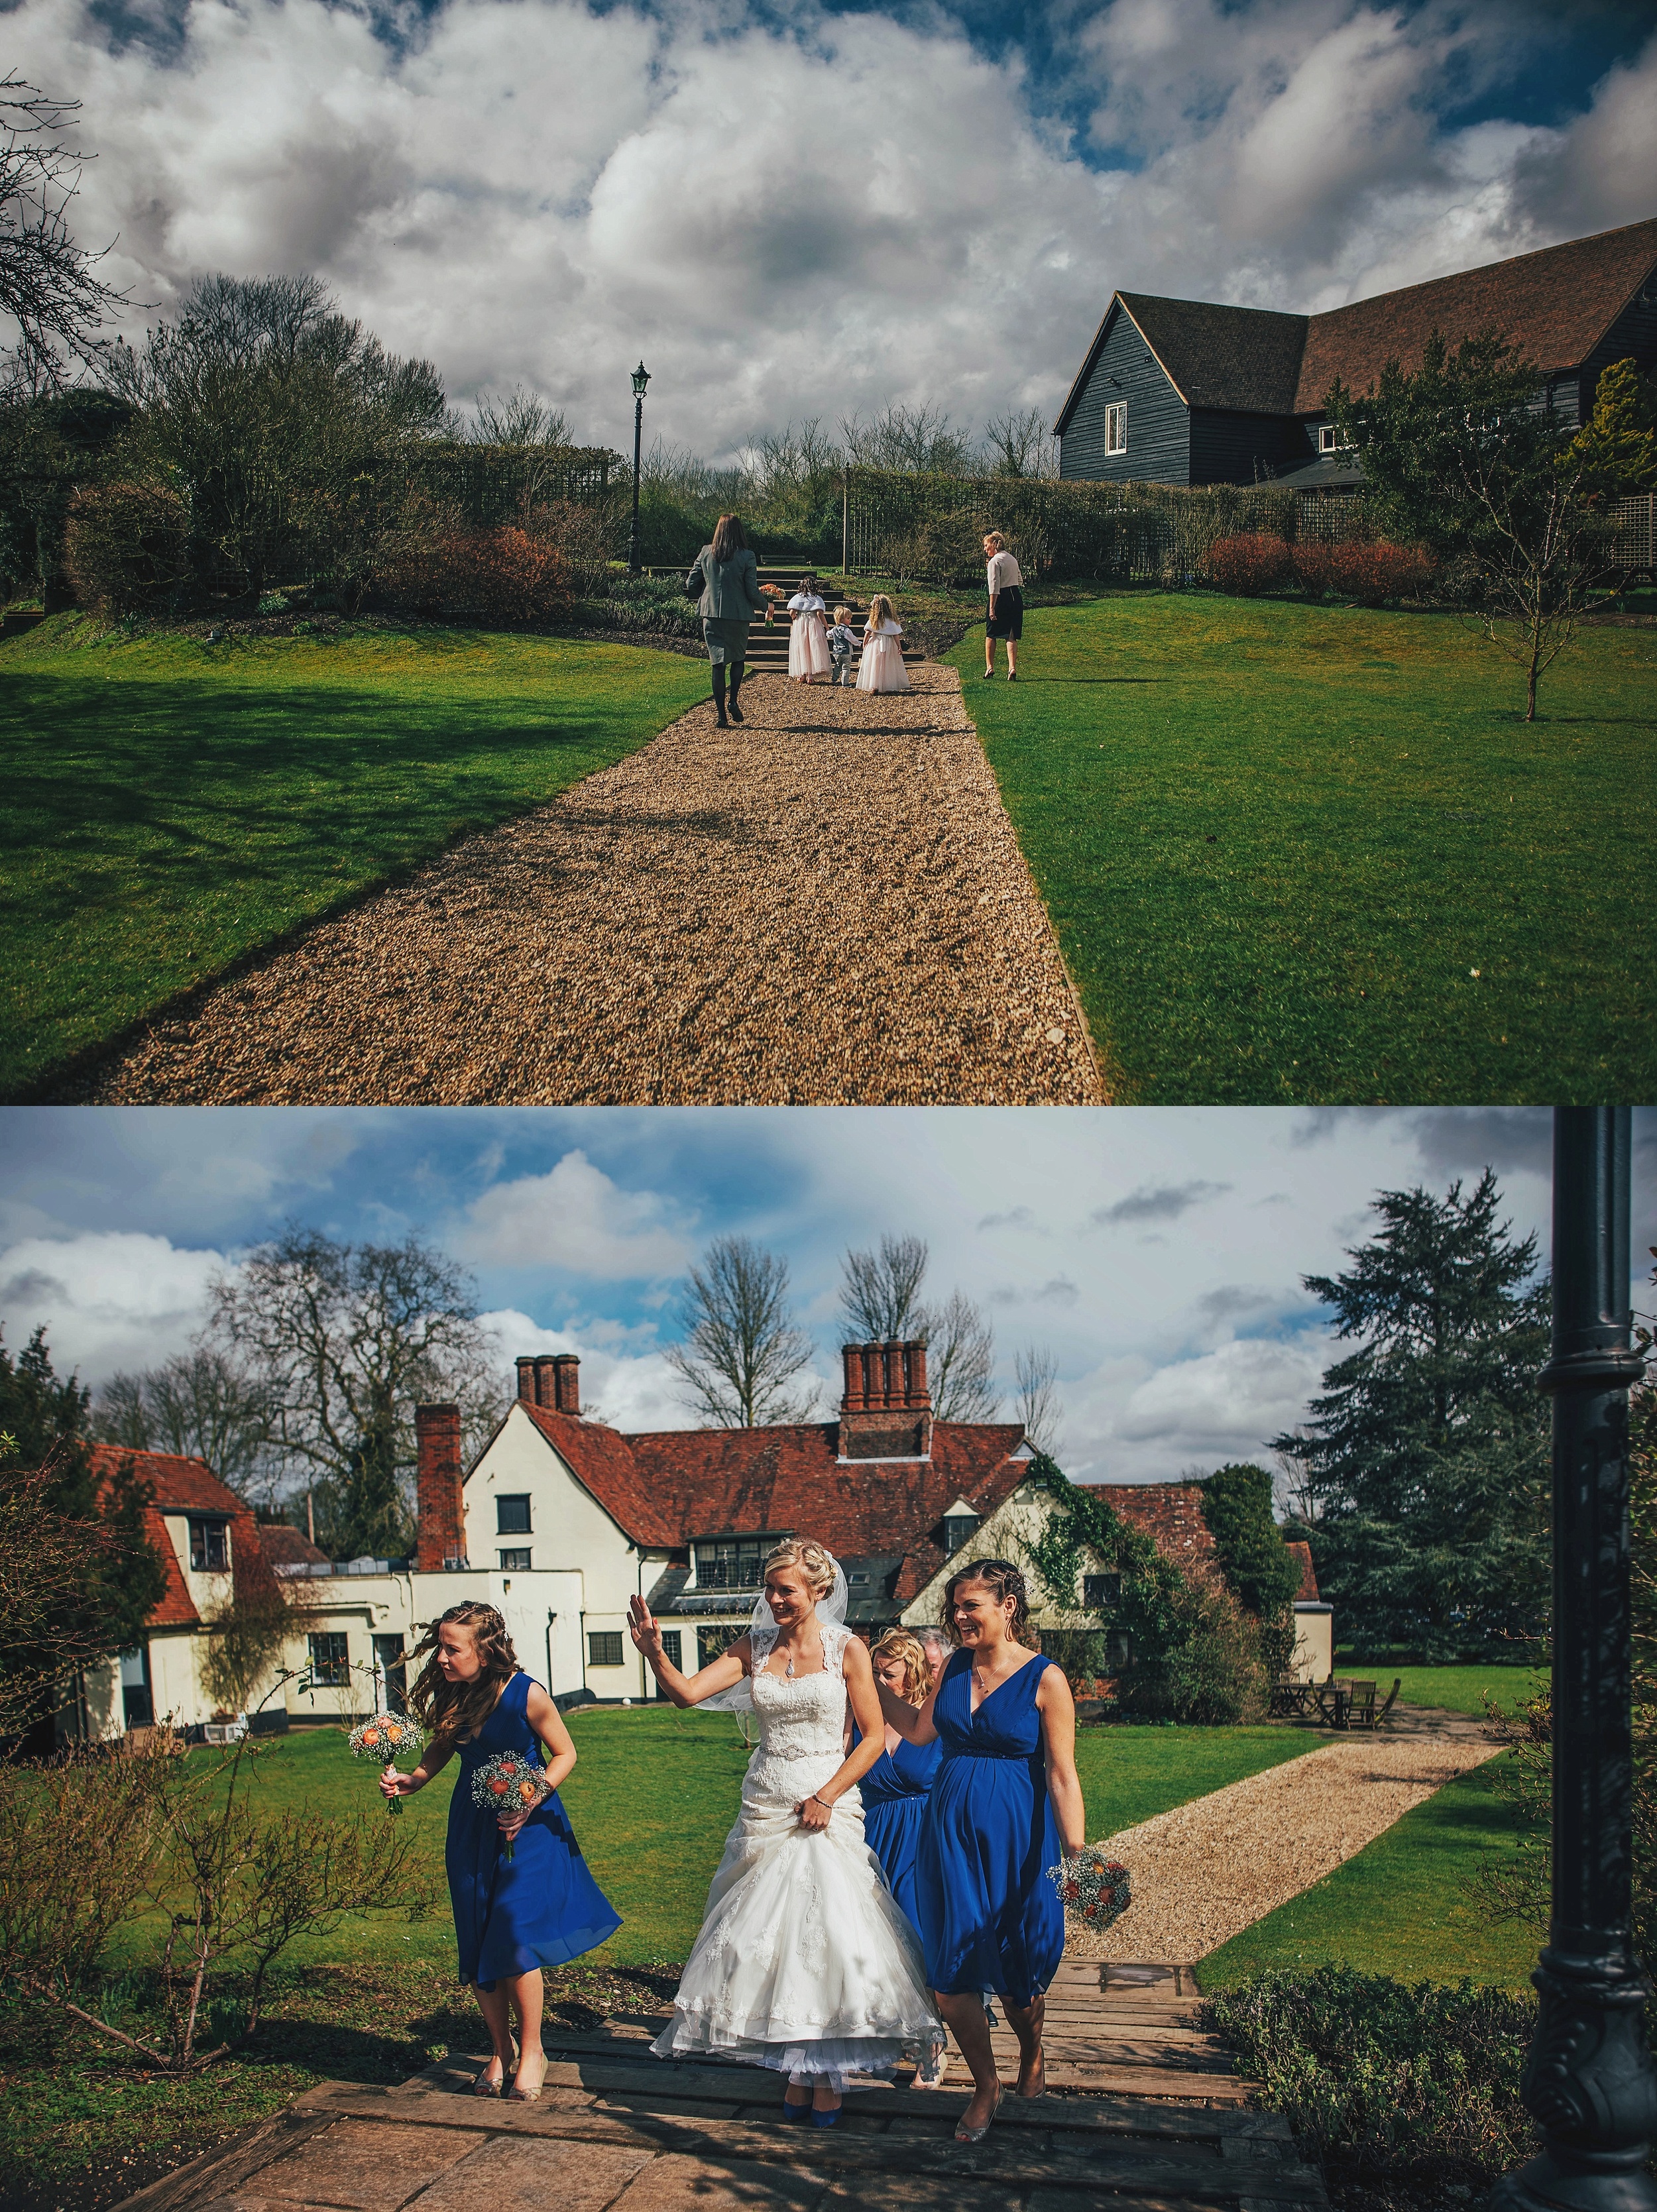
(384, 1739)
(507, 1784)
(1093, 1887)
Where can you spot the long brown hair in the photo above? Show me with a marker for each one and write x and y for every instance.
(1003, 1579)
(728, 538)
(459, 1709)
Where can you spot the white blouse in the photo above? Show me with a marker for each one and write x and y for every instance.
(808, 603)
(1003, 573)
(886, 629)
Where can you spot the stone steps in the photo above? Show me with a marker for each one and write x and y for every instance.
(618, 2130)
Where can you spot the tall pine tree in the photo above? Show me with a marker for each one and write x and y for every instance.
(1426, 1460)
(81, 1578)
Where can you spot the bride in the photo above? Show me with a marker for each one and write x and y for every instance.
(804, 1962)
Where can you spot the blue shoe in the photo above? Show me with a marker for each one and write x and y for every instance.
(826, 2119)
(795, 2113)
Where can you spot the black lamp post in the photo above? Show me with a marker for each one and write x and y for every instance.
(641, 377)
(1589, 2082)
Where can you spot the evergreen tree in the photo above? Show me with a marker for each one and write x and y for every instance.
(1426, 1460)
(90, 1591)
(1247, 1541)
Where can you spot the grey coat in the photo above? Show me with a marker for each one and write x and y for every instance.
(730, 589)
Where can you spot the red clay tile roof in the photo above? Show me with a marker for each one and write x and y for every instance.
(285, 1546)
(1557, 305)
(666, 1487)
(1172, 1512)
(1308, 1590)
(181, 1486)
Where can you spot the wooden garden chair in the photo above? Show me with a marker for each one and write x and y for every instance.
(1360, 1705)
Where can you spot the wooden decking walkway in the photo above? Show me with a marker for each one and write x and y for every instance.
(617, 2130)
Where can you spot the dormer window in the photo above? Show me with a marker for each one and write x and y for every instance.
(209, 1545)
(730, 1563)
(1327, 440)
(960, 1525)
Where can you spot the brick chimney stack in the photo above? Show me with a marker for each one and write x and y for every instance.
(550, 1379)
(442, 1541)
(886, 1411)
(566, 1383)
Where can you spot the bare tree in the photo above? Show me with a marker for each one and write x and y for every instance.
(961, 1361)
(198, 1405)
(1020, 445)
(1035, 1380)
(917, 440)
(48, 284)
(881, 1291)
(344, 1340)
(742, 1355)
(520, 419)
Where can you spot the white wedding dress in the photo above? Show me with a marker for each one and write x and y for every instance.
(804, 1962)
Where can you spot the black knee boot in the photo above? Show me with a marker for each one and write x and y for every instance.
(738, 671)
(719, 693)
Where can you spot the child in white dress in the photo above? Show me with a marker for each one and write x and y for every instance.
(805, 1963)
(882, 668)
(808, 646)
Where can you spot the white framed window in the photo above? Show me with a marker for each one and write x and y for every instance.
(1116, 427)
(1327, 438)
(514, 1560)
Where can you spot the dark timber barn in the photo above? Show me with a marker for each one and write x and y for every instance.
(1184, 392)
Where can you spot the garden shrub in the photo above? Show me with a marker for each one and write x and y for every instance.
(1376, 2076)
(125, 544)
(1369, 571)
(503, 574)
(1253, 562)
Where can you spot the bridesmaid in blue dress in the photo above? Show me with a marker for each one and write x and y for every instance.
(539, 1908)
(895, 1789)
(1006, 1806)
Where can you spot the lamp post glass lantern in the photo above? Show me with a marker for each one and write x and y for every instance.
(641, 377)
(1589, 2082)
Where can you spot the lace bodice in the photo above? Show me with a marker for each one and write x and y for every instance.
(802, 1720)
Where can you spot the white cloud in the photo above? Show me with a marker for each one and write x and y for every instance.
(108, 1301)
(574, 1219)
(805, 218)
(1229, 1401)
(629, 1390)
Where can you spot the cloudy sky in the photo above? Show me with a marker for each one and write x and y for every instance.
(819, 209)
(1157, 1254)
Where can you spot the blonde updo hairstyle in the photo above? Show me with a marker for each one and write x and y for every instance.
(897, 1643)
(997, 539)
(816, 1565)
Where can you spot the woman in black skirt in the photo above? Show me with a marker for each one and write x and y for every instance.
(1004, 614)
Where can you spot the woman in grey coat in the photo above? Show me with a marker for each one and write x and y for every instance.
(731, 598)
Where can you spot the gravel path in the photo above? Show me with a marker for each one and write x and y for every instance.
(1209, 1869)
(826, 906)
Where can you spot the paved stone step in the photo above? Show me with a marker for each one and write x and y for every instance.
(865, 2142)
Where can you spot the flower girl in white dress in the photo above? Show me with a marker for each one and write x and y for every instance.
(805, 1963)
(808, 646)
(882, 667)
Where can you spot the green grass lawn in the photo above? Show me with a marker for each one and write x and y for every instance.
(1458, 1689)
(173, 805)
(1401, 1907)
(1276, 840)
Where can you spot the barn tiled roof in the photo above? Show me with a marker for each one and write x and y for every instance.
(1555, 304)
(1247, 358)
(178, 1485)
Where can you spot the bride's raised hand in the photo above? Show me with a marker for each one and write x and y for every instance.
(643, 1628)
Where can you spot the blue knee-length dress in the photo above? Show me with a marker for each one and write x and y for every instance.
(989, 1918)
(894, 1792)
(542, 1907)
